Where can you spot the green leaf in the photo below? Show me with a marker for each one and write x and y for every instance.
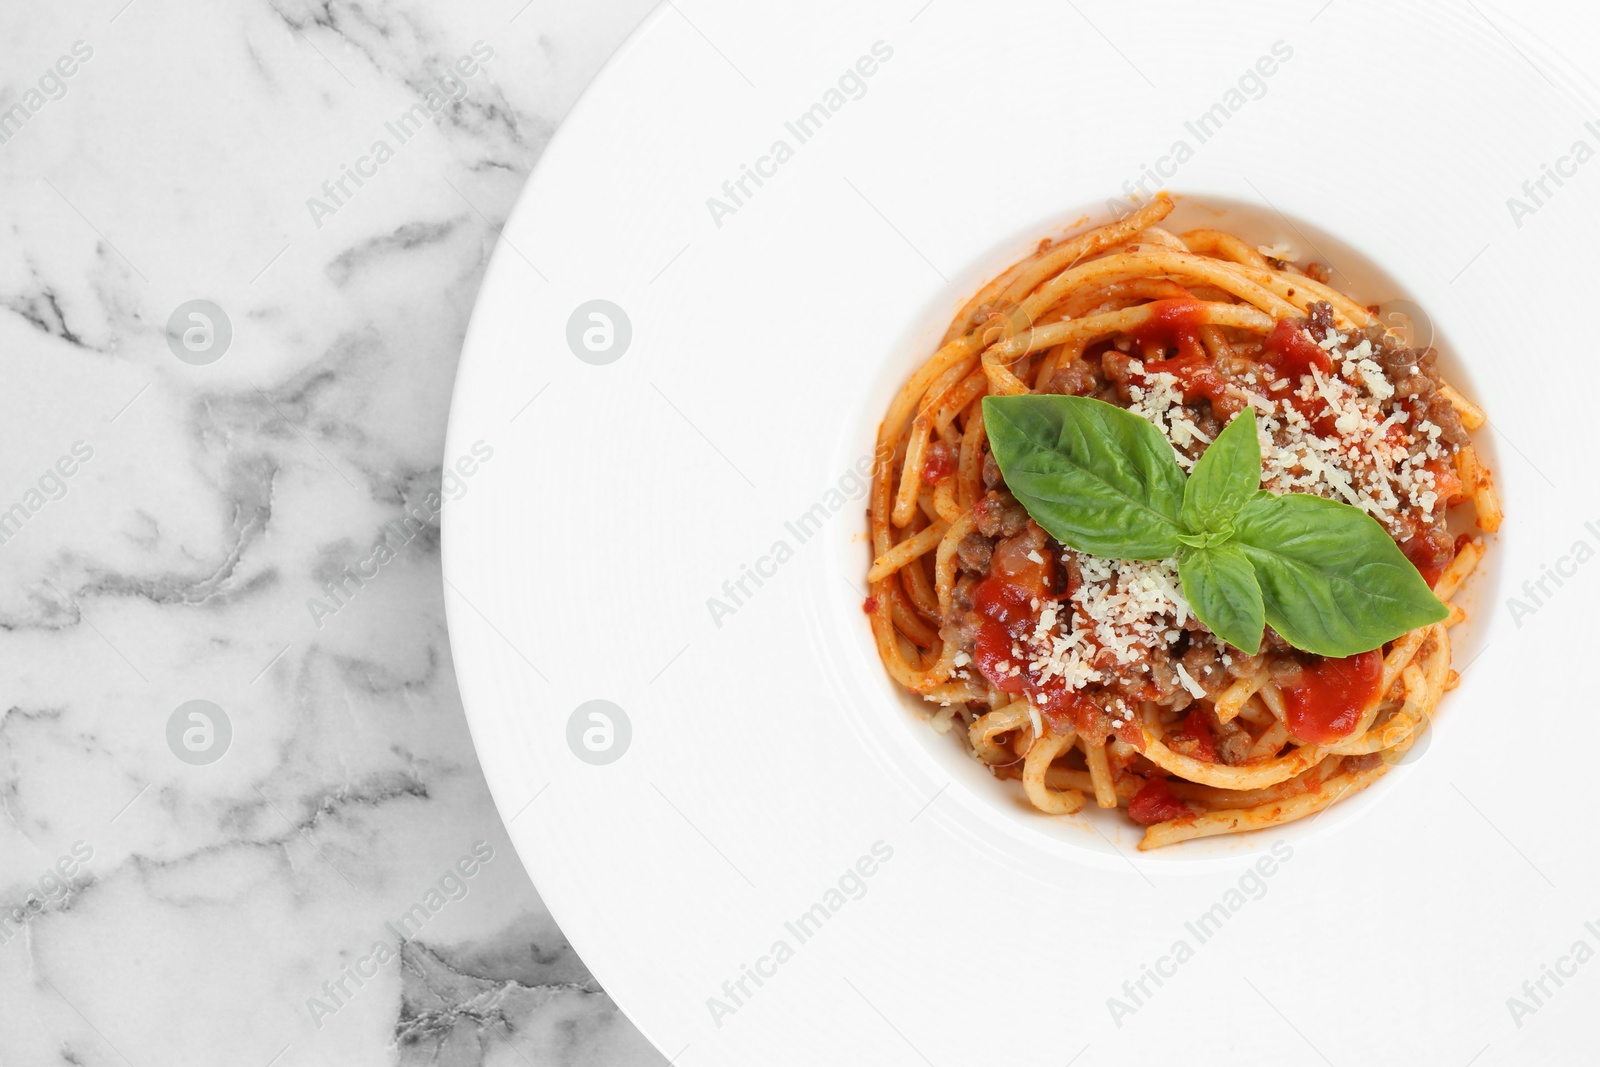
(1220, 585)
(1332, 580)
(1095, 476)
(1211, 538)
(1225, 478)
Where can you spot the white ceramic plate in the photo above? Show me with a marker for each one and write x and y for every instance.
(761, 767)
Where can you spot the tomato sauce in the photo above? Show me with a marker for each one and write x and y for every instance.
(1327, 702)
(1198, 730)
(1197, 378)
(1005, 601)
(939, 464)
(1291, 351)
(1446, 482)
(1173, 324)
(1321, 417)
(1155, 803)
(1430, 552)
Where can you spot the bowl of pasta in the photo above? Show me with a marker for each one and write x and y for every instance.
(1042, 597)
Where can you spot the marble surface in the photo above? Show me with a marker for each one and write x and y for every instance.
(337, 887)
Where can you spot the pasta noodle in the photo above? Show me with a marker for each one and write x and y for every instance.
(1189, 737)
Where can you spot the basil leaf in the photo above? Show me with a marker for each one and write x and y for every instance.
(1096, 477)
(1227, 475)
(1333, 581)
(1220, 585)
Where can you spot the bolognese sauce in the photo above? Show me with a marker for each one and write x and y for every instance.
(1030, 647)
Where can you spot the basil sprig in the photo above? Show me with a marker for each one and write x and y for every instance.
(1104, 481)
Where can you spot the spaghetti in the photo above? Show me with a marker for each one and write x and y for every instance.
(1087, 677)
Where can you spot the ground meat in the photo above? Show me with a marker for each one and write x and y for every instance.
(1118, 367)
(1169, 687)
(1205, 419)
(1320, 319)
(973, 553)
(1443, 414)
(1430, 545)
(961, 595)
(1242, 665)
(1285, 669)
(1239, 359)
(1016, 554)
(1079, 377)
(1318, 273)
(991, 472)
(1200, 660)
(1414, 374)
(1072, 572)
(1410, 386)
(1271, 642)
(1396, 359)
(961, 631)
(999, 515)
(1232, 743)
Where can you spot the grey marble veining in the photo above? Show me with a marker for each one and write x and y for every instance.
(337, 887)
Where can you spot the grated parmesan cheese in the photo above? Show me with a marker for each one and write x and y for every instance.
(1366, 460)
(1368, 452)
(1195, 689)
(1155, 401)
(1117, 616)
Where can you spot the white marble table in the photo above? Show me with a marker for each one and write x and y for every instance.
(167, 526)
